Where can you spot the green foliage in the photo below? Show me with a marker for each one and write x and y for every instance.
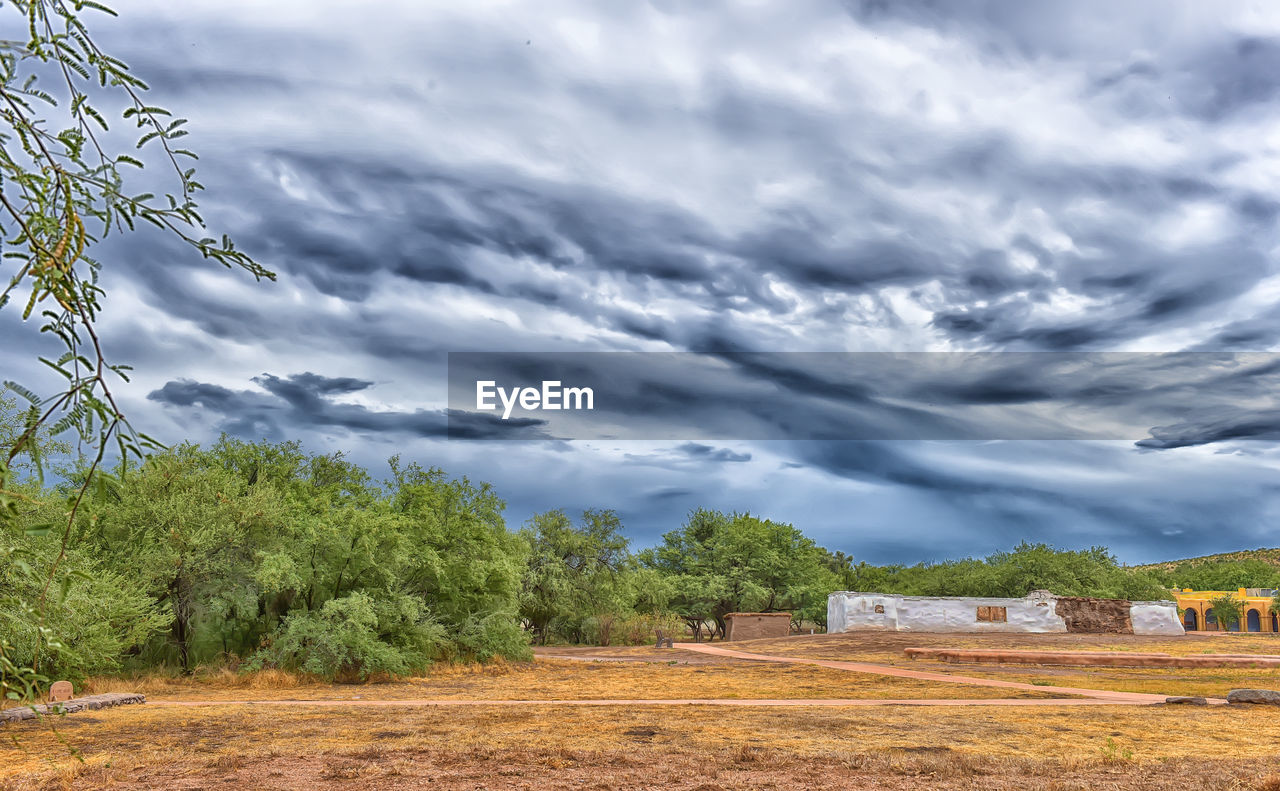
(1228, 610)
(89, 623)
(1221, 574)
(1028, 567)
(64, 188)
(241, 550)
(457, 554)
(355, 637)
(579, 579)
(1112, 752)
(721, 563)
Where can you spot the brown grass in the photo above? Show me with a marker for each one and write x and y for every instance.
(1116, 748)
(550, 747)
(560, 679)
(887, 648)
(208, 679)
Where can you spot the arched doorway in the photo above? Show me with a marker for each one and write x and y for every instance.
(1210, 620)
(1253, 621)
(1189, 620)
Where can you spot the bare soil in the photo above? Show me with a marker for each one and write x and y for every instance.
(1053, 747)
(745, 767)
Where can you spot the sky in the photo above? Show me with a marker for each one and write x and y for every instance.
(744, 183)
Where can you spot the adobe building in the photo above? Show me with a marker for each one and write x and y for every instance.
(754, 625)
(1038, 612)
(1259, 613)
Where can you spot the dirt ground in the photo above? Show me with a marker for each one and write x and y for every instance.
(887, 648)
(698, 747)
(378, 769)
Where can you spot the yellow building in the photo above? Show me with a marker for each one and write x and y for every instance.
(1258, 614)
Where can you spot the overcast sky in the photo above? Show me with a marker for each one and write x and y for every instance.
(722, 178)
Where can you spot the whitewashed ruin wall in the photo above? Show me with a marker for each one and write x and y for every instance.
(847, 612)
(1155, 617)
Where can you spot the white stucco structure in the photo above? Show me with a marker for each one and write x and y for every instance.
(1153, 617)
(1037, 613)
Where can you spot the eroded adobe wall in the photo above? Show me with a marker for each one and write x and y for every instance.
(1037, 613)
(1094, 616)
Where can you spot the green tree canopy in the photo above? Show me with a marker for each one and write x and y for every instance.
(1228, 610)
(579, 578)
(721, 563)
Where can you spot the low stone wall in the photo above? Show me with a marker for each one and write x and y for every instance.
(1039, 612)
(755, 625)
(106, 700)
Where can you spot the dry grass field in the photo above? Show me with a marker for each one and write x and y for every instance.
(549, 746)
(665, 677)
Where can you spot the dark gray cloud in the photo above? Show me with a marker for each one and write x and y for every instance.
(816, 176)
(303, 403)
(1165, 400)
(697, 450)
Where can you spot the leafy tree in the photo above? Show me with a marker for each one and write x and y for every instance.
(64, 188)
(722, 563)
(191, 533)
(459, 557)
(244, 545)
(1228, 610)
(578, 576)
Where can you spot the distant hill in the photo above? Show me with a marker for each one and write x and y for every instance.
(1271, 556)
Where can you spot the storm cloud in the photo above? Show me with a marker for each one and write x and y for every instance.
(732, 180)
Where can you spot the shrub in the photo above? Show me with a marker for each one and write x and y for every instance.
(93, 617)
(489, 636)
(355, 637)
(643, 629)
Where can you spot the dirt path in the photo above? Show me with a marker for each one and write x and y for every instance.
(1130, 698)
(773, 702)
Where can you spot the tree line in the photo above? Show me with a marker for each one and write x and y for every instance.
(261, 555)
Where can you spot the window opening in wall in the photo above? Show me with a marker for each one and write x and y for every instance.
(993, 615)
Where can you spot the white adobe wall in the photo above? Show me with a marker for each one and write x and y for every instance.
(1156, 617)
(1036, 613)
(857, 611)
